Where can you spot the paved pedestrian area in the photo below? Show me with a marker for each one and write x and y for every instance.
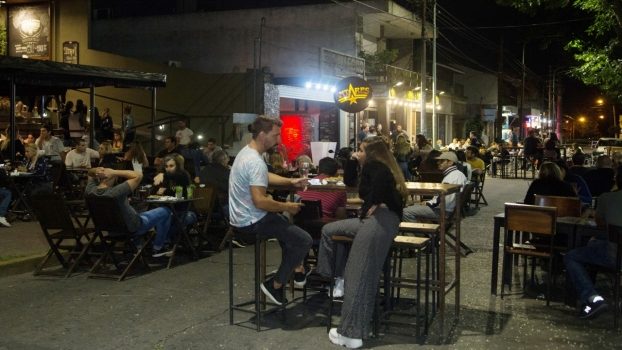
(186, 307)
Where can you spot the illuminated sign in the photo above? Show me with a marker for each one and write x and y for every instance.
(353, 94)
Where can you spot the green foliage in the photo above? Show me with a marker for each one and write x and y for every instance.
(475, 124)
(375, 63)
(599, 57)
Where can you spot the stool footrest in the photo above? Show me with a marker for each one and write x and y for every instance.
(410, 241)
(418, 227)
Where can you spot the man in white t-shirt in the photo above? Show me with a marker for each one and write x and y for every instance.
(253, 211)
(81, 156)
(184, 134)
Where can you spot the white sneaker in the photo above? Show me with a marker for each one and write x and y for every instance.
(3, 222)
(338, 288)
(338, 339)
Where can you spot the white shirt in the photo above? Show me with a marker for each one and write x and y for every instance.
(184, 136)
(80, 160)
(248, 170)
(451, 176)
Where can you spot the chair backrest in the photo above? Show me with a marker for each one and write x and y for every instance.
(312, 210)
(205, 205)
(106, 214)
(530, 218)
(51, 212)
(566, 206)
(615, 236)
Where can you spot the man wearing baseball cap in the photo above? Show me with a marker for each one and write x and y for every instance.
(430, 210)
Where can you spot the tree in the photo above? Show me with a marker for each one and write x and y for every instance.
(599, 54)
(375, 63)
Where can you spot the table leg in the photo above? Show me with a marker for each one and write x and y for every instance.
(495, 256)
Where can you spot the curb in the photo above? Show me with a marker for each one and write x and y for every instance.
(21, 265)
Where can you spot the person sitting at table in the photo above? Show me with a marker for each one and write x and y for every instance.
(48, 144)
(252, 211)
(472, 157)
(30, 138)
(117, 141)
(598, 252)
(550, 147)
(170, 147)
(6, 196)
(174, 176)
(530, 149)
(276, 164)
(578, 164)
(600, 179)
(216, 174)
(102, 183)
(136, 154)
(577, 182)
(331, 201)
(549, 183)
(430, 210)
(383, 190)
(501, 157)
(38, 167)
(81, 156)
(5, 147)
(107, 158)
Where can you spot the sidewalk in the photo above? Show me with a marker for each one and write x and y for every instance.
(22, 246)
(186, 307)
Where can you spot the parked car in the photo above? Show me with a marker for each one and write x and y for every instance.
(608, 145)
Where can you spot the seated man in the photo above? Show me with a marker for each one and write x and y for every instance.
(472, 157)
(216, 174)
(430, 210)
(170, 147)
(252, 211)
(331, 201)
(102, 183)
(600, 179)
(81, 156)
(597, 252)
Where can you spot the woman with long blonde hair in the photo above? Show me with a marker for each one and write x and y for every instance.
(383, 190)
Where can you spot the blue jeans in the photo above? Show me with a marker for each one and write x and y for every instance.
(597, 252)
(160, 218)
(5, 193)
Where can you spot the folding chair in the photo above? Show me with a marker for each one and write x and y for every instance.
(478, 191)
(61, 234)
(108, 217)
(204, 207)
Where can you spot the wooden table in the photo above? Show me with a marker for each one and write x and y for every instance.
(576, 228)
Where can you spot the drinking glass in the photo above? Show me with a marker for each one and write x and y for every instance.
(304, 170)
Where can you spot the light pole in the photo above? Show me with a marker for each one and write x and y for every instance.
(601, 102)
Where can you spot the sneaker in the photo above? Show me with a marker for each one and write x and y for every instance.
(300, 278)
(592, 309)
(338, 339)
(338, 288)
(4, 222)
(238, 243)
(164, 251)
(277, 296)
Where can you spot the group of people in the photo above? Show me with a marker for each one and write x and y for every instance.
(381, 184)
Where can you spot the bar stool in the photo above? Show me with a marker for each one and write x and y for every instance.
(402, 246)
(260, 267)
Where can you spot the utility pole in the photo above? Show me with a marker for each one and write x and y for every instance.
(499, 121)
(521, 116)
(423, 127)
(434, 115)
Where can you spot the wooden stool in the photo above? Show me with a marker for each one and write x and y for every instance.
(260, 270)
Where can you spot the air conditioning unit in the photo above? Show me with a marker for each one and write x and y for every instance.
(175, 64)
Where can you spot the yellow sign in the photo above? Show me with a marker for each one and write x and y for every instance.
(353, 94)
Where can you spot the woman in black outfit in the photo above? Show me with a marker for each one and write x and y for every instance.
(383, 191)
(549, 183)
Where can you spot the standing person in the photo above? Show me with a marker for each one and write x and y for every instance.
(362, 135)
(64, 122)
(128, 125)
(383, 191)
(76, 120)
(598, 252)
(530, 148)
(252, 211)
(379, 129)
(403, 152)
(550, 147)
(48, 144)
(107, 126)
(183, 134)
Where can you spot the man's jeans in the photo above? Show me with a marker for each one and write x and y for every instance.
(5, 193)
(295, 242)
(160, 218)
(597, 252)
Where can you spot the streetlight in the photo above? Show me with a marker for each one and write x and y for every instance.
(601, 102)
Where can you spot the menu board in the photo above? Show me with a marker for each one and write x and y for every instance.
(29, 31)
(329, 124)
(71, 52)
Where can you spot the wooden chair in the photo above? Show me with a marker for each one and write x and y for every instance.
(108, 218)
(478, 191)
(566, 206)
(61, 234)
(204, 207)
(537, 221)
